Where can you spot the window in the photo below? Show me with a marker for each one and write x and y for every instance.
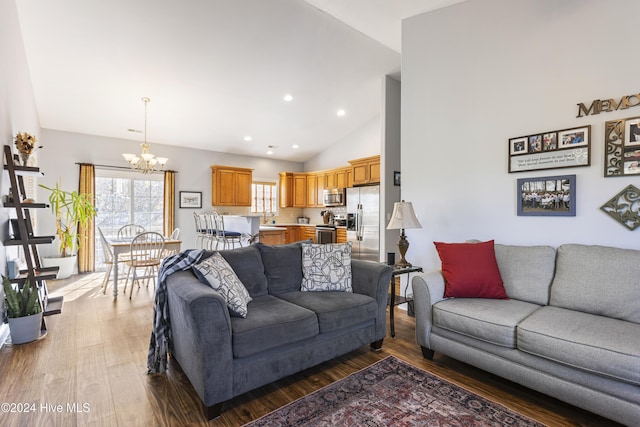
(124, 197)
(264, 197)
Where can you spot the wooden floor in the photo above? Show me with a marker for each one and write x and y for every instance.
(90, 370)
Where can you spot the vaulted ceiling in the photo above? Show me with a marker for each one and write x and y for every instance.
(216, 71)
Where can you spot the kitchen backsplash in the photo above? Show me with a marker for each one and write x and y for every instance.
(284, 215)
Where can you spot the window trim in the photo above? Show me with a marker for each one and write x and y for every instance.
(275, 204)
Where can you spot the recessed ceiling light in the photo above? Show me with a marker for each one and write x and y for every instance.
(295, 146)
(248, 138)
(341, 113)
(270, 152)
(288, 97)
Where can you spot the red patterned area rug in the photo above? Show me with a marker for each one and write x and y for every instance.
(392, 392)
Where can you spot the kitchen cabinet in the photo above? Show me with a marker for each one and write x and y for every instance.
(341, 235)
(312, 190)
(305, 190)
(366, 170)
(272, 236)
(320, 186)
(230, 186)
(292, 233)
(299, 190)
(316, 183)
(341, 178)
(330, 179)
(309, 232)
(286, 189)
(336, 178)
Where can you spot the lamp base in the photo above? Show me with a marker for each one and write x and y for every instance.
(403, 246)
(401, 264)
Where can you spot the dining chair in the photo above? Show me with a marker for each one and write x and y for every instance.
(174, 234)
(223, 236)
(147, 250)
(130, 230)
(108, 259)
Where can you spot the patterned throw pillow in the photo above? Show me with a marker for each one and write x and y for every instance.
(217, 273)
(326, 267)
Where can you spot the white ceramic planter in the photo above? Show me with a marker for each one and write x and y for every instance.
(25, 329)
(66, 264)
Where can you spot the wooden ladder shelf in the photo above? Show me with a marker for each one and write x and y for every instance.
(23, 236)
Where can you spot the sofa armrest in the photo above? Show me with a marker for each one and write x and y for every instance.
(373, 279)
(428, 289)
(201, 336)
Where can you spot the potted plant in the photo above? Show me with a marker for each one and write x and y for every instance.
(72, 210)
(23, 310)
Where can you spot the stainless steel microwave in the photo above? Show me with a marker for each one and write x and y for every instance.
(334, 197)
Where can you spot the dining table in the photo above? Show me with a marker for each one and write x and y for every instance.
(121, 246)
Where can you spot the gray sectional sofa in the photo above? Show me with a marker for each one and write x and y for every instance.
(571, 328)
(285, 330)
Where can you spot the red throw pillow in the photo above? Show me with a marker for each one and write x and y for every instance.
(470, 270)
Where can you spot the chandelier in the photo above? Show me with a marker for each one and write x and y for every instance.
(145, 162)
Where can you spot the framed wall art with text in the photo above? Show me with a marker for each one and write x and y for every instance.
(556, 149)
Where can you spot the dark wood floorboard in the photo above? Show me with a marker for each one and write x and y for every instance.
(94, 360)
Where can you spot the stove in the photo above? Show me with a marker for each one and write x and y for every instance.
(325, 233)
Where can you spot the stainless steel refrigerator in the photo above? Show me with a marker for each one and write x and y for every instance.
(363, 222)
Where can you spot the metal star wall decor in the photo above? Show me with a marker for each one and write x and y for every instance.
(624, 207)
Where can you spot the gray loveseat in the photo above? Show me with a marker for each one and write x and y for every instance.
(571, 328)
(285, 330)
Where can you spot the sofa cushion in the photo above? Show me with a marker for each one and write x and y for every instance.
(247, 263)
(326, 267)
(271, 322)
(599, 280)
(597, 344)
(470, 270)
(492, 320)
(282, 266)
(335, 310)
(526, 271)
(217, 273)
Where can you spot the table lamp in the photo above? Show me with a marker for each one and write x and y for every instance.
(403, 217)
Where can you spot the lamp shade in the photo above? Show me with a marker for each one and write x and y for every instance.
(403, 217)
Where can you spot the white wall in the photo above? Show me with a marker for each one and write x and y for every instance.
(389, 163)
(364, 142)
(17, 111)
(62, 150)
(480, 72)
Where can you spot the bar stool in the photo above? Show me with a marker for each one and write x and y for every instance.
(225, 237)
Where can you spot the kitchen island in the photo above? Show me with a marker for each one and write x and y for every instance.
(272, 235)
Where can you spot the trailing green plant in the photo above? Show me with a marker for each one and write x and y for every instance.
(21, 302)
(72, 209)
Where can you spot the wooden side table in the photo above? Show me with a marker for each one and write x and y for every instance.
(393, 301)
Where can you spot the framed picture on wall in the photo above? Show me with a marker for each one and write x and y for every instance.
(550, 150)
(191, 199)
(622, 147)
(518, 146)
(573, 138)
(547, 196)
(396, 178)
